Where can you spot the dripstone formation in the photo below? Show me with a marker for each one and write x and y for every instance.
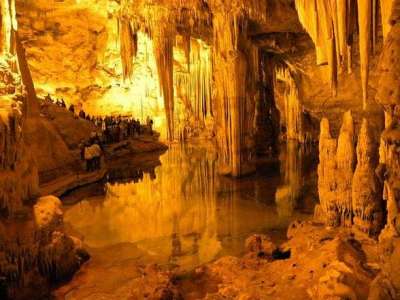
(349, 195)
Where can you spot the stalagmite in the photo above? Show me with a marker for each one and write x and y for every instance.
(327, 211)
(366, 190)
(364, 23)
(335, 173)
(345, 158)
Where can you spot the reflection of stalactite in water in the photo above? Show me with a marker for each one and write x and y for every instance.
(168, 211)
(175, 238)
(288, 193)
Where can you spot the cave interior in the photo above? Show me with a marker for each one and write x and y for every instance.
(199, 149)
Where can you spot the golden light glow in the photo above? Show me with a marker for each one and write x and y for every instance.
(139, 96)
(187, 216)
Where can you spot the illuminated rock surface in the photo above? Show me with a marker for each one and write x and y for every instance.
(243, 92)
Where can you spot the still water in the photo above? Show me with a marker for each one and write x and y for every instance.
(183, 213)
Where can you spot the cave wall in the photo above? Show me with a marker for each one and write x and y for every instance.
(34, 250)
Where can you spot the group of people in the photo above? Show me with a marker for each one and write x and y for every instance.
(111, 129)
(91, 153)
(58, 102)
(117, 129)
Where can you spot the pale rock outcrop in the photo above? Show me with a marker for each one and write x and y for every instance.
(47, 212)
(366, 190)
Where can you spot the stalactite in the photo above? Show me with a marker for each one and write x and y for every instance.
(293, 105)
(8, 26)
(200, 79)
(267, 115)
(320, 20)
(128, 46)
(187, 49)
(351, 21)
(163, 48)
(364, 23)
(193, 88)
(331, 25)
(230, 73)
(308, 15)
(342, 13)
(374, 28)
(159, 22)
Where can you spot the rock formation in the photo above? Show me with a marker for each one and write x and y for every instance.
(332, 25)
(34, 251)
(293, 109)
(327, 211)
(349, 196)
(345, 160)
(367, 205)
(233, 72)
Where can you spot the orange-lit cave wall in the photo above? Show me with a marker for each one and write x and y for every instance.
(74, 52)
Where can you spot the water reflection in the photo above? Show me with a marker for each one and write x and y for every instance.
(297, 166)
(183, 212)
